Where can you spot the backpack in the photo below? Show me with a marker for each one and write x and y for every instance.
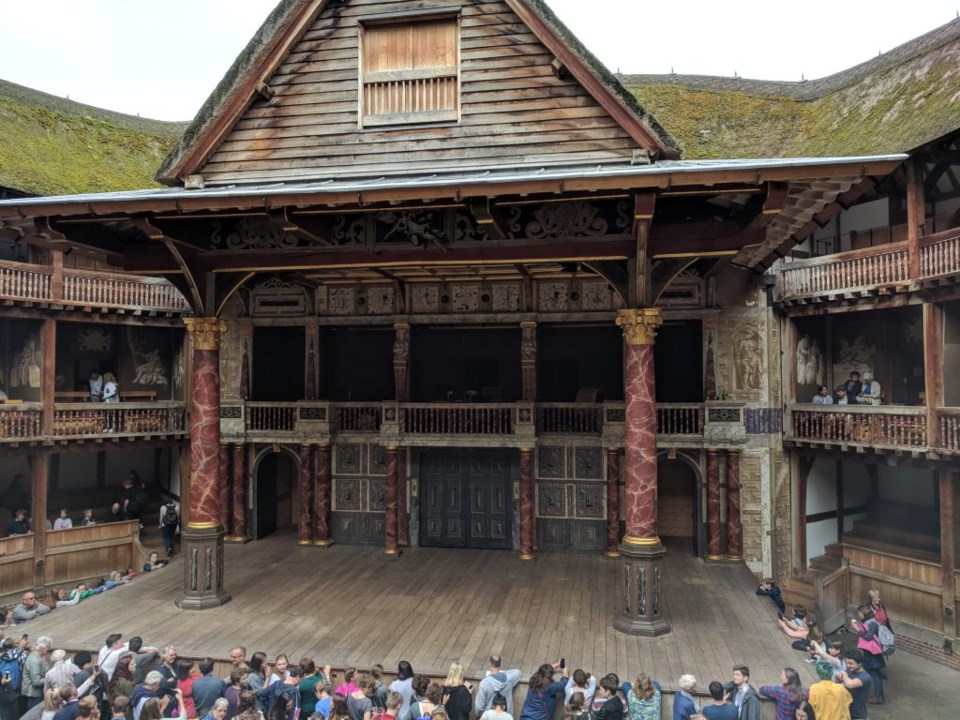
(170, 517)
(10, 664)
(886, 638)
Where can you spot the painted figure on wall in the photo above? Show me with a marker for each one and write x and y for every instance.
(25, 372)
(149, 370)
(749, 363)
(809, 362)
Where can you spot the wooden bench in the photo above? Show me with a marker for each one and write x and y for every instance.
(135, 395)
(71, 396)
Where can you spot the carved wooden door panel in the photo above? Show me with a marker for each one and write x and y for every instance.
(466, 499)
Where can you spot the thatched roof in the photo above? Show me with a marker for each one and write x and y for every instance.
(896, 102)
(53, 146)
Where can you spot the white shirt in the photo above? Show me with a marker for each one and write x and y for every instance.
(62, 524)
(108, 659)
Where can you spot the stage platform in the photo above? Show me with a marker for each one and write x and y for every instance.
(353, 606)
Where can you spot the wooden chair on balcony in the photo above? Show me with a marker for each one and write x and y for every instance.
(588, 395)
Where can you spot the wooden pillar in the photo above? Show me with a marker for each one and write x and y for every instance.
(613, 502)
(223, 486)
(390, 521)
(528, 361)
(403, 526)
(933, 368)
(401, 361)
(949, 485)
(734, 526)
(203, 535)
(321, 515)
(56, 280)
(306, 496)
(916, 214)
(714, 541)
(48, 377)
(239, 487)
(39, 477)
(527, 508)
(641, 611)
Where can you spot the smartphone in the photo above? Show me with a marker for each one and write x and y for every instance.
(563, 663)
(780, 615)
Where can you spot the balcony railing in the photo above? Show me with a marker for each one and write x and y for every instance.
(679, 419)
(576, 418)
(357, 417)
(26, 282)
(20, 422)
(886, 427)
(271, 417)
(84, 420)
(459, 419)
(948, 429)
(872, 268)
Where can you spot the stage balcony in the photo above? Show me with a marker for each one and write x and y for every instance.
(28, 424)
(871, 273)
(95, 291)
(456, 424)
(885, 429)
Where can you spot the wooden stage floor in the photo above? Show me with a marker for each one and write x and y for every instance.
(353, 606)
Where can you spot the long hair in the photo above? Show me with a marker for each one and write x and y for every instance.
(256, 663)
(814, 631)
(455, 675)
(338, 709)
(643, 687)
(793, 685)
(542, 677)
(577, 701)
(281, 708)
(151, 710)
(183, 669)
(122, 672)
(404, 670)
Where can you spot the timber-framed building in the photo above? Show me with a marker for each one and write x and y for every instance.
(447, 281)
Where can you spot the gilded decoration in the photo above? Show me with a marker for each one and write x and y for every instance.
(205, 332)
(639, 324)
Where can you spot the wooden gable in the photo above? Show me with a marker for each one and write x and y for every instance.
(351, 99)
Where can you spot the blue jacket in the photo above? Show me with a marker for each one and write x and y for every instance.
(683, 707)
(540, 704)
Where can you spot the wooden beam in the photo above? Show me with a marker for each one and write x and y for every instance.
(616, 275)
(483, 214)
(949, 482)
(916, 215)
(932, 365)
(664, 271)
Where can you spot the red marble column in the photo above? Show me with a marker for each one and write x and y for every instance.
(203, 536)
(527, 512)
(734, 528)
(390, 521)
(640, 440)
(223, 485)
(613, 502)
(321, 516)
(641, 609)
(239, 494)
(714, 543)
(403, 526)
(306, 496)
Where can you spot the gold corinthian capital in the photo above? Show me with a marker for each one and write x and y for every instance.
(205, 332)
(639, 324)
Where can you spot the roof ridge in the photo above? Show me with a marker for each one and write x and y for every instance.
(806, 90)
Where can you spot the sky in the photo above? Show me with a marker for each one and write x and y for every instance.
(162, 58)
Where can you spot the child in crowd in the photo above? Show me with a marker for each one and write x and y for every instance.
(155, 562)
(88, 518)
(498, 711)
(63, 522)
(769, 588)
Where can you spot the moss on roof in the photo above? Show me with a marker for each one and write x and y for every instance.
(895, 103)
(52, 146)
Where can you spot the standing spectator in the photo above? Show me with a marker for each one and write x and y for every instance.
(496, 681)
(96, 386)
(62, 671)
(206, 689)
(457, 695)
(644, 699)
(360, 702)
(403, 683)
(868, 642)
(238, 656)
(144, 657)
(324, 692)
(879, 611)
(167, 672)
(380, 687)
(169, 521)
(858, 682)
(684, 705)
(29, 608)
(35, 669)
(69, 708)
(219, 710)
(63, 522)
(19, 525)
(391, 706)
(134, 497)
(111, 391)
(232, 693)
(186, 677)
(542, 692)
(853, 387)
(113, 648)
(11, 676)
(499, 709)
(122, 682)
(722, 708)
(256, 680)
(787, 695)
(746, 699)
(310, 678)
(612, 707)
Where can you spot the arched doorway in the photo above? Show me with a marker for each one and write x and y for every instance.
(678, 501)
(277, 492)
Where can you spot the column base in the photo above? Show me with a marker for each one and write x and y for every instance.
(323, 543)
(641, 606)
(713, 558)
(612, 553)
(734, 558)
(237, 539)
(393, 552)
(202, 569)
(527, 556)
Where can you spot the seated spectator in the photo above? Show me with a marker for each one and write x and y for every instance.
(62, 598)
(19, 525)
(155, 562)
(63, 522)
(769, 588)
(823, 396)
(6, 618)
(833, 653)
(842, 398)
(870, 395)
(88, 518)
(115, 514)
(29, 608)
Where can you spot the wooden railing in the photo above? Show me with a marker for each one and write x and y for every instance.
(98, 419)
(20, 421)
(460, 419)
(887, 426)
(35, 283)
(948, 429)
(271, 417)
(570, 418)
(679, 419)
(357, 417)
(940, 254)
(846, 271)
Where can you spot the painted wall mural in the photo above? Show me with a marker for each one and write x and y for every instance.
(810, 364)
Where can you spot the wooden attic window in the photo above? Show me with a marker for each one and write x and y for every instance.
(410, 72)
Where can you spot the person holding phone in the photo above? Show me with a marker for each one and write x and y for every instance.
(543, 691)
